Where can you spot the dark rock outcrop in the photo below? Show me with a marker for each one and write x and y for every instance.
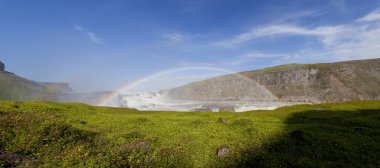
(315, 83)
(2, 66)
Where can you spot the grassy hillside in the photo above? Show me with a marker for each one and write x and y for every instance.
(42, 134)
(13, 87)
(17, 88)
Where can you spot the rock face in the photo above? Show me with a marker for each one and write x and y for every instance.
(315, 83)
(2, 66)
(226, 88)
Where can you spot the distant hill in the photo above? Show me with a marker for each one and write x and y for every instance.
(13, 87)
(314, 83)
(325, 82)
(17, 88)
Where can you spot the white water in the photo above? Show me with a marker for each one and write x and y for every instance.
(158, 102)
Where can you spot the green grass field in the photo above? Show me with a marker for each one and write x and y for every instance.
(43, 134)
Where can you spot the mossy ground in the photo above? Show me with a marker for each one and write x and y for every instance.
(44, 134)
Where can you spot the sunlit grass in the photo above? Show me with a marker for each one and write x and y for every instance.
(55, 134)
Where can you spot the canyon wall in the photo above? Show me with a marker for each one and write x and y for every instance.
(315, 83)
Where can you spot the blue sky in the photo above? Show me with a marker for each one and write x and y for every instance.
(105, 44)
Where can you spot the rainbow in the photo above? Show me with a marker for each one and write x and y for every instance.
(107, 101)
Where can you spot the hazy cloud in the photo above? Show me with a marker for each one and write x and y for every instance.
(354, 43)
(279, 30)
(358, 40)
(175, 38)
(310, 13)
(373, 16)
(92, 36)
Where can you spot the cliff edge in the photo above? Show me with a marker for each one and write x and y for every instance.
(314, 83)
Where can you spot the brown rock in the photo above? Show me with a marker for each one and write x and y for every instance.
(223, 152)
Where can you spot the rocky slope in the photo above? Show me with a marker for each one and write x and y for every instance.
(315, 83)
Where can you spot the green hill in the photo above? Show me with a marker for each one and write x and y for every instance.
(13, 87)
(43, 134)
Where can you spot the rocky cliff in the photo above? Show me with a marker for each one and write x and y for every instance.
(2, 66)
(225, 88)
(315, 83)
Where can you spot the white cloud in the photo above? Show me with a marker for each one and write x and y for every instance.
(92, 36)
(291, 17)
(357, 40)
(363, 43)
(279, 30)
(257, 56)
(175, 38)
(373, 16)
